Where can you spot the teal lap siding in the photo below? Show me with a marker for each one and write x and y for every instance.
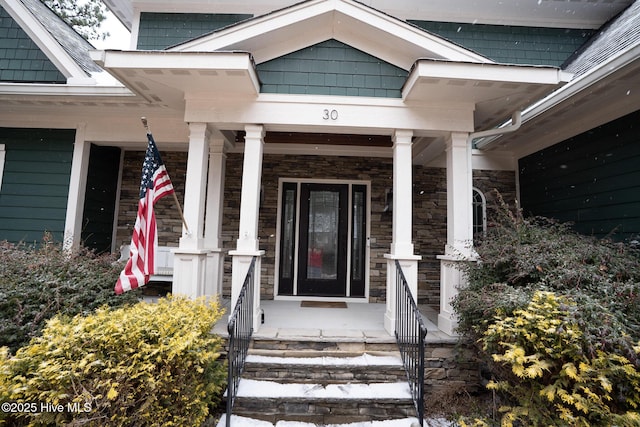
(511, 44)
(591, 180)
(35, 183)
(162, 30)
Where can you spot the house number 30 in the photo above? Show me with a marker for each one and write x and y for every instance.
(330, 114)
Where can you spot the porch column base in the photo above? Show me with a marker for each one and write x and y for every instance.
(215, 272)
(452, 278)
(189, 272)
(239, 269)
(409, 265)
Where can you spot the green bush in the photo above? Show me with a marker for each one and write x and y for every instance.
(38, 282)
(598, 285)
(143, 365)
(538, 356)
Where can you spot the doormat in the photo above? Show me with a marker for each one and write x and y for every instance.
(324, 304)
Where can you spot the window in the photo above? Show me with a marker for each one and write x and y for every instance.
(479, 206)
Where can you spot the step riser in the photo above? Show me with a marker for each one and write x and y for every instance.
(330, 411)
(324, 374)
(324, 346)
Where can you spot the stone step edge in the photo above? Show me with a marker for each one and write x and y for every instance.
(302, 352)
(239, 421)
(350, 391)
(363, 360)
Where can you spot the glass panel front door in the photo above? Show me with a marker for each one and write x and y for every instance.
(323, 240)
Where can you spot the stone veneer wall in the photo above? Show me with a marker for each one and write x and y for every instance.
(167, 215)
(377, 171)
(429, 202)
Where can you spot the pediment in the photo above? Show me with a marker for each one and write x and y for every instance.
(355, 24)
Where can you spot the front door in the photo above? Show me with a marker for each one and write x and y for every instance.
(322, 240)
(322, 261)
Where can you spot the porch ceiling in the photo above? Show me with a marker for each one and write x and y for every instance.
(496, 90)
(167, 77)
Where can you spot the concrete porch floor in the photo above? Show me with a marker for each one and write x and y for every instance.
(358, 322)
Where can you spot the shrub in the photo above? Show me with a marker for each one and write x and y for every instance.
(550, 378)
(521, 255)
(37, 282)
(143, 365)
(597, 286)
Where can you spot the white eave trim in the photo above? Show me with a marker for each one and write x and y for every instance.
(573, 88)
(36, 89)
(439, 69)
(583, 82)
(331, 19)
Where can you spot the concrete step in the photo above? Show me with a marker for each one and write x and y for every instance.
(323, 404)
(237, 421)
(294, 368)
(327, 345)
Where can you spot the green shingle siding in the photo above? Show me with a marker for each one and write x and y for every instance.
(161, 30)
(21, 60)
(35, 185)
(511, 44)
(331, 68)
(592, 180)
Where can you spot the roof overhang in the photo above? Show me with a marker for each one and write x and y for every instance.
(607, 92)
(536, 13)
(496, 90)
(168, 77)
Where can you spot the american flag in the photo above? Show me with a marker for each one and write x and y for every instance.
(154, 185)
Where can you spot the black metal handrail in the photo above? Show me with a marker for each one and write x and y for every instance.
(410, 336)
(240, 328)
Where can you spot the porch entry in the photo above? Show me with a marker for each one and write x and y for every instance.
(323, 239)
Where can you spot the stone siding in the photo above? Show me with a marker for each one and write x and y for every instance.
(167, 215)
(429, 202)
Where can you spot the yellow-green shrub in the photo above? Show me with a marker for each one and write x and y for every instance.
(143, 365)
(551, 379)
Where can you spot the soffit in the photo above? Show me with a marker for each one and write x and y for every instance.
(496, 90)
(167, 77)
(593, 100)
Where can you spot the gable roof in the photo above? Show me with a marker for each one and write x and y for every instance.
(605, 88)
(313, 21)
(60, 43)
(615, 37)
(439, 72)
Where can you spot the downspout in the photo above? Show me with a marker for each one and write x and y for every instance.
(516, 121)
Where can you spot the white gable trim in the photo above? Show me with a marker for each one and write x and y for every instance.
(305, 24)
(47, 43)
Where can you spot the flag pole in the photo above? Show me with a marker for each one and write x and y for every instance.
(175, 197)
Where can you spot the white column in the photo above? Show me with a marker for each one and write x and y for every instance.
(402, 208)
(459, 246)
(247, 243)
(77, 190)
(190, 257)
(214, 214)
